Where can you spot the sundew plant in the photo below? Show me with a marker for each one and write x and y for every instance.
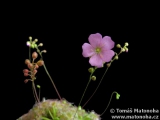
(100, 54)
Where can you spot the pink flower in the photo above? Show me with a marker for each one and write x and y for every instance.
(99, 49)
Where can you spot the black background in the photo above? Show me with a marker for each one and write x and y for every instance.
(63, 32)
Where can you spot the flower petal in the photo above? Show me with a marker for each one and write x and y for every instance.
(96, 61)
(107, 55)
(87, 50)
(107, 43)
(95, 39)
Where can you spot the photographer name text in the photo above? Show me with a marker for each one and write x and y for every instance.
(134, 110)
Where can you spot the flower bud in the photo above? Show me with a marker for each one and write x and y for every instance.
(93, 78)
(40, 44)
(108, 64)
(117, 96)
(34, 55)
(38, 86)
(30, 38)
(27, 61)
(123, 50)
(118, 46)
(28, 43)
(126, 49)
(25, 81)
(91, 69)
(43, 51)
(25, 71)
(116, 57)
(30, 65)
(26, 74)
(36, 66)
(33, 45)
(126, 44)
(36, 40)
(40, 63)
(34, 72)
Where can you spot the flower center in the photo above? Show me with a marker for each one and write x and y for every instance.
(98, 50)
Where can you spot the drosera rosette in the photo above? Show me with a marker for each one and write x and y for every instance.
(100, 53)
(58, 110)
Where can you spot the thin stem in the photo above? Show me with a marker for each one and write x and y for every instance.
(97, 87)
(49, 75)
(34, 93)
(109, 102)
(29, 53)
(34, 88)
(39, 93)
(84, 92)
(52, 81)
(100, 81)
(85, 89)
(33, 85)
